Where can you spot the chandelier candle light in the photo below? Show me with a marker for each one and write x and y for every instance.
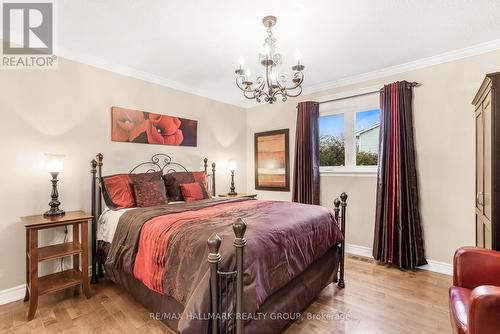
(271, 84)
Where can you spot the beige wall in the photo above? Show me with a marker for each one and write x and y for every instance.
(67, 111)
(444, 135)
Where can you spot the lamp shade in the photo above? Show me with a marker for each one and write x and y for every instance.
(54, 162)
(231, 165)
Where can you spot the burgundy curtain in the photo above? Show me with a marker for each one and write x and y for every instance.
(398, 233)
(306, 167)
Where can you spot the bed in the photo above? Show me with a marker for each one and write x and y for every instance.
(218, 265)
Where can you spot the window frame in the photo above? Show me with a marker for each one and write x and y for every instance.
(349, 112)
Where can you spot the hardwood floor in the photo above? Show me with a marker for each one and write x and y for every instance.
(377, 299)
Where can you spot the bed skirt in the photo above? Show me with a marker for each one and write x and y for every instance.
(277, 312)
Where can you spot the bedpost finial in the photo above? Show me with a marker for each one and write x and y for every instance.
(343, 197)
(99, 158)
(214, 243)
(93, 166)
(213, 166)
(336, 202)
(205, 165)
(239, 228)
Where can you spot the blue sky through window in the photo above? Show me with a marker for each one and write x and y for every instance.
(334, 124)
(331, 125)
(366, 119)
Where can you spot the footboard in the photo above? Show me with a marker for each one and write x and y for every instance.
(340, 208)
(226, 288)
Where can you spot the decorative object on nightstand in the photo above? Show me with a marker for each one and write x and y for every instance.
(232, 168)
(54, 165)
(36, 286)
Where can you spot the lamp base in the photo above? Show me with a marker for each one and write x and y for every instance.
(54, 213)
(232, 193)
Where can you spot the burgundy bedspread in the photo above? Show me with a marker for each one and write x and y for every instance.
(168, 247)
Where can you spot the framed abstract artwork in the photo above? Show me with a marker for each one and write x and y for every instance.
(272, 162)
(134, 126)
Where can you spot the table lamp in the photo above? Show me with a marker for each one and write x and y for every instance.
(54, 165)
(232, 168)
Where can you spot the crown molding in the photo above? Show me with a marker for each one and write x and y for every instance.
(141, 75)
(407, 67)
(377, 74)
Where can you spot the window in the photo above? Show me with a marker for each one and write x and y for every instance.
(349, 135)
(367, 137)
(331, 140)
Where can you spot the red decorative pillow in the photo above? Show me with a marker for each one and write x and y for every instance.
(194, 191)
(149, 192)
(174, 180)
(118, 190)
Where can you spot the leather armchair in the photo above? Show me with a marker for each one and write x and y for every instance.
(475, 294)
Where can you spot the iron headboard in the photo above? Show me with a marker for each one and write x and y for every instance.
(159, 162)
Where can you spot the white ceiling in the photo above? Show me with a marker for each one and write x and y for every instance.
(195, 45)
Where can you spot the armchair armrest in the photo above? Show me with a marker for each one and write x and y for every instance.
(473, 267)
(484, 311)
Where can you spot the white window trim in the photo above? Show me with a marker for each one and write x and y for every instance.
(349, 112)
(343, 170)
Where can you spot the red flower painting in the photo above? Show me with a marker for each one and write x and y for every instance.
(149, 128)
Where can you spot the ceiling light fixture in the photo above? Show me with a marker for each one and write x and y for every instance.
(271, 84)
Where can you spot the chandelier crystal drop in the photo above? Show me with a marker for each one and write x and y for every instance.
(271, 85)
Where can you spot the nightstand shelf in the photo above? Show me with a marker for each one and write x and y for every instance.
(77, 249)
(59, 281)
(59, 251)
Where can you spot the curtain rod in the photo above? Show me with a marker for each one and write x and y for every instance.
(412, 84)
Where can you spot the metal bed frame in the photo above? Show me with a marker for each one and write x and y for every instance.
(233, 280)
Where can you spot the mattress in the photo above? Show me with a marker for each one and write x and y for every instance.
(165, 249)
(108, 222)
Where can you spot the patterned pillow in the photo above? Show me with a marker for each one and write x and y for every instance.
(118, 191)
(194, 191)
(174, 180)
(149, 192)
(143, 177)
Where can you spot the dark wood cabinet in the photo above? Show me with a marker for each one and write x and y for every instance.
(487, 115)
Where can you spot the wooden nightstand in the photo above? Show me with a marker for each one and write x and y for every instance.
(36, 286)
(239, 195)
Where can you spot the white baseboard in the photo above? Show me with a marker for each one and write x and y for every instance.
(438, 267)
(358, 250)
(435, 266)
(17, 293)
(12, 294)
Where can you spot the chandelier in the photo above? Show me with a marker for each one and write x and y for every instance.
(271, 84)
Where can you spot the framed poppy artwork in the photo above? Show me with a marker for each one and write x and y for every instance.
(135, 126)
(272, 165)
